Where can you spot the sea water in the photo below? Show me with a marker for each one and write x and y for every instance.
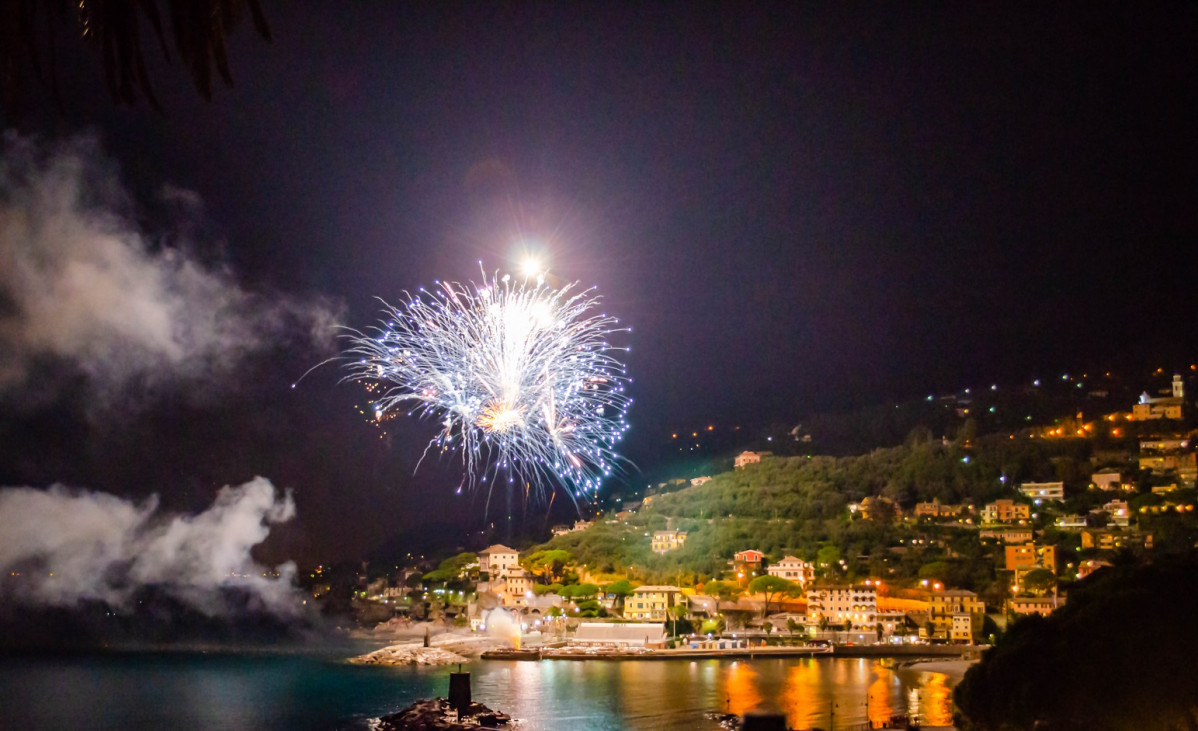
(318, 690)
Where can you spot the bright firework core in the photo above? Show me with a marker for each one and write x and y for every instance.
(521, 377)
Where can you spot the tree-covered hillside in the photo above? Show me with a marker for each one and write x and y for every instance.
(799, 505)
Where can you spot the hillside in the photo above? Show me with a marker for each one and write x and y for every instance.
(799, 506)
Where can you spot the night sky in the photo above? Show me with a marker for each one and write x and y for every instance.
(797, 208)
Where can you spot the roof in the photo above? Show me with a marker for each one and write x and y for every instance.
(790, 559)
(630, 631)
(954, 592)
(655, 588)
(497, 548)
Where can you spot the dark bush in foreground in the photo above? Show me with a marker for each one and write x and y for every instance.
(1119, 655)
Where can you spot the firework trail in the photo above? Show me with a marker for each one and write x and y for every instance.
(520, 376)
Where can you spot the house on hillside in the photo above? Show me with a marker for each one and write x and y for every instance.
(665, 541)
(793, 569)
(747, 458)
(516, 587)
(1108, 480)
(494, 559)
(1044, 606)
(1005, 511)
(1169, 407)
(1054, 491)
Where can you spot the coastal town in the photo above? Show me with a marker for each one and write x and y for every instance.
(932, 573)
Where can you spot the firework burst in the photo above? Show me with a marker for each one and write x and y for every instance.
(521, 377)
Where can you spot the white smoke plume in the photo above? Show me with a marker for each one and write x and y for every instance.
(80, 282)
(59, 547)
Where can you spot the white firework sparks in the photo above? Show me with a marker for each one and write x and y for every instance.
(521, 377)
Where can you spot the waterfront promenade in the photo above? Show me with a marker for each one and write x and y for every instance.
(684, 653)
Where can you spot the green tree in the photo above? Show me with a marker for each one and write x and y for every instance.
(828, 557)
(725, 591)
(772, 587)
(548, 564)
(452, 568)
(1039, 581)
(621, 590)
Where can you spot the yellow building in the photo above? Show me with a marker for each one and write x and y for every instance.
(956, 614)
(517, 585)
(1109, 540)
(1028, 556)
(1043, 606)
(653, 603)
(667, 540)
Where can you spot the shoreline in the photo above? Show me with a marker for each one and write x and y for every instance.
(948, 654)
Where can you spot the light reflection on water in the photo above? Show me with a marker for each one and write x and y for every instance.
(299, 691)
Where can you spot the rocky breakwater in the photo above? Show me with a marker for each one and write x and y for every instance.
(410, 654)
(436, 714)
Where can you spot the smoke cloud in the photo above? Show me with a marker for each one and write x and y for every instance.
(60, 547)
(81, 283)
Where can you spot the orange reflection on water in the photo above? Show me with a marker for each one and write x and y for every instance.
(878, 709)
(741, 687)
(936, 708)
(800, 696)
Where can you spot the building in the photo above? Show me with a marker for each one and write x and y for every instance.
(1107, 479)
(653, 603)
(516, 585)
(1105, 539)
(956, 614)
(855, 606)
(793, 569)
(1043, 606)
(493, 560)
(936, 510)
(1185, 464)
(961, 629)
(1005, 511)
(619, 634)
(1118, 513)
(1162, 445)
(747, 458)
(749, 558)
(1169, 407)
(893, 623)
(1070, 522)
(695, 482)
(1043, 491)
(1089, 566)
(1027, 556)
(1007, 535)
(876, 507)
(665, 541)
